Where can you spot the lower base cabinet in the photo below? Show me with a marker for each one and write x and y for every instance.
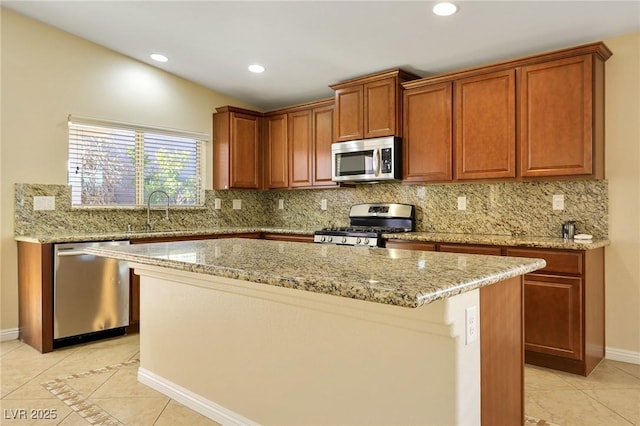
(563, 303)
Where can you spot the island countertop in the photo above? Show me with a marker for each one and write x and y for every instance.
(404, 278)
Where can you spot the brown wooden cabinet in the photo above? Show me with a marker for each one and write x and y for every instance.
(536, 117)
(300, 148)
(237, 153)
(563, 302)
(564, 309)
(322, 119)
(427, 147)
(306, 144)
(370, 106)
(561, 106)
(485, 126)
(276, 153)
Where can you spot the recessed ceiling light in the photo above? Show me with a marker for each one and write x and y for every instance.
(158, 57)
(256, 68)
(445, 9)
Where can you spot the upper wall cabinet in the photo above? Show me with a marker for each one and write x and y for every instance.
(369, 107)
(561, 117)
(236, 148)
(535, 117)
(276, 153)
(298, 146)
(485, 126)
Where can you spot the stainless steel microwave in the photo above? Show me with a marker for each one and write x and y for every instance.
(367, 160)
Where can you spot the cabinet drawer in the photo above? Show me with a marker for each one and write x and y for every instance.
(468, 249)
(562, 262)
(409, 245)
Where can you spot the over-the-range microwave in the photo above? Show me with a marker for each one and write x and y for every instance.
(367, 160)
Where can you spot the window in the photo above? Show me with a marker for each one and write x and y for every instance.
(116, 164)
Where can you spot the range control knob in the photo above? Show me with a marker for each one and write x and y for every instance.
(366, 241)
(329, 239)
(358, 240)
(323, 239)
(344, 239)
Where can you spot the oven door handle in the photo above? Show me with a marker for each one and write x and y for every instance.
(376, 162)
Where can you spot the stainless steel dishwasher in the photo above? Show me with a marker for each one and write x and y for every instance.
(90, 293)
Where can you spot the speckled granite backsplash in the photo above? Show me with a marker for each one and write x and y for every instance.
(98, 220)
(492, 208)
(505, 208)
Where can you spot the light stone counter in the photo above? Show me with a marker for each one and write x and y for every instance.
(394, 277)
(501, 240)
(109, 236)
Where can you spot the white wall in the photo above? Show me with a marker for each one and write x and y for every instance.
(48, 74)
(622, 258)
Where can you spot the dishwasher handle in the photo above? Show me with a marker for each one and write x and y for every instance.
(72, 252)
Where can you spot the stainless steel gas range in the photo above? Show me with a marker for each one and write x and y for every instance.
(367, 224)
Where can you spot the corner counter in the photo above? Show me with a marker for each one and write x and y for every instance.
(273, 332)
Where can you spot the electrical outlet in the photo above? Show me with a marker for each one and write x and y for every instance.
(421, 192)
(281, 204)
(558, 202)
(323, 204)
(462, 202)
(217, 203)
(44, 203)
(237, 204)
(472, 324)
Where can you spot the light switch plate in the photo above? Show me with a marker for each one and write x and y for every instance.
(237, 204)
(44, 203)
(217, 203)
(558, 202)
(323, 204)
(281, 204)
(462, 202)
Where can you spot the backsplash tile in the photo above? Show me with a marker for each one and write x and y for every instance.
(504, 208)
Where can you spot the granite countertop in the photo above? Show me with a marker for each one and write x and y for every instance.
(70, 237)
(396, 277)
(501, 240)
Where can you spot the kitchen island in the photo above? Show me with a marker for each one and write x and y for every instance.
(270, 332)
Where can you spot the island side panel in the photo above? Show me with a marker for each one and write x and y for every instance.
(502, 352)
(283, 356)
(35, 295)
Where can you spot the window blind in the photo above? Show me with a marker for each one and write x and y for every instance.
(115, 166)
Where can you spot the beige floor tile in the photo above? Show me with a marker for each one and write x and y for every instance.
(24, 364)
(133, 411)
(177, 414)
(543, 379)
(124, 383)
(625, 402)
(633, 369)
(9, 345)
(32, 412)
(73, 419)
(570, 408)
(604, 376)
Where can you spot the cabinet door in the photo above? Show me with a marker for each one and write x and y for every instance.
(553, 315)
(245, 151)
(485, 132)
(410, 245)
(300, 148)
(276, 152)
(322, 139)
(380, 109)
(349, 114)
(556, 114)
(427, 143)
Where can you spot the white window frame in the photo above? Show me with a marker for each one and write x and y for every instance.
(140, 130)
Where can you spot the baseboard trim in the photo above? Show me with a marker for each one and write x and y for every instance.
(9, 334)
(622, 355)
(192, 400)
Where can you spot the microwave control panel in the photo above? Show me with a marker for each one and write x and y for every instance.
(387, 160)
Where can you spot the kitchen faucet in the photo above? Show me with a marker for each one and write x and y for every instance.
(149, 224)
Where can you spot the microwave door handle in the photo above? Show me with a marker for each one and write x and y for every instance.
(376, 162)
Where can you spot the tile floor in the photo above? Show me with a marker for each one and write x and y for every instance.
(96, 384)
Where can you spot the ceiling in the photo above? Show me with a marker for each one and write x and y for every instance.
(308, 45)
